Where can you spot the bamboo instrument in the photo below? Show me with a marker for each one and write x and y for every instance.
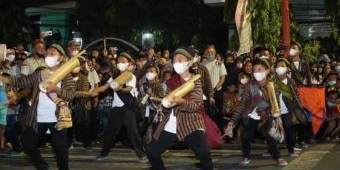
(3, 51)
(275, 109)
(61, 72)
(121, 80)
(180, 92)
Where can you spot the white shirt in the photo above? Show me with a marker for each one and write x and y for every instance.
(46, 108)
(283, 107)
(215, 71)
(117, 102)
(171, 125)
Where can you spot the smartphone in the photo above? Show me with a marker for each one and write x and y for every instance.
(47, 33)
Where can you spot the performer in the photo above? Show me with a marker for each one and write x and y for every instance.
(254, 109)
(123, 112)
(183, 121)
(289, 102)
(45, 113)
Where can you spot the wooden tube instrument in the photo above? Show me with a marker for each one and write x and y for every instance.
(275, 109)
(121, 80)
(180, 92)
(61, 72)
(3, 52)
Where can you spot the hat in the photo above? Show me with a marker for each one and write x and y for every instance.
(59, 48)
(73, 42)
(187, 52)
(283, 60)
(128, 56)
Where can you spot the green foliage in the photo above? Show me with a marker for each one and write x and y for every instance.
(266, 22)
(333, 13)
(311, 50)
(229, 10)
(234, 43)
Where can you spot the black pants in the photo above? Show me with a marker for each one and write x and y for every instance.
(121, 116)
(31, 139)
(196, 141)
(248, 133)
(289, 132)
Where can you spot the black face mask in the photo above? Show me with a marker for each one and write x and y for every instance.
(229, 64)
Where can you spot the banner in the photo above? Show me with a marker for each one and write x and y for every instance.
(243, 26)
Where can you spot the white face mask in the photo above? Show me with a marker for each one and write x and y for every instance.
(244, 81)
(150, 76)
(51, 61)
(10, 57)
(264, 57)
(260, 76)
(74, 53)
(281, 70)
(293, 52)
(122, 66)
(114, 56)
(239, 65)
(75, 78)
(337, 68)
(180, 68)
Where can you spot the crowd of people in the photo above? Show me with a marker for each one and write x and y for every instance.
(86, 107)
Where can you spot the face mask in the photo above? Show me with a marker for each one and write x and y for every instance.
(337, 68)
(122, 66)
(293, 52)
(75, 78)
(320, 70)
(74, 53)
(281, 70)
(260, 76)
(239, 65)
(211, 57)
(10, 57)
(244, 81)
(196, 59)
(76, 70)
(180, 68)
(51, 61)
(150, 76)
(114, 56)
(263, 57)
(330, 104)
(331, 83)
(315, 69)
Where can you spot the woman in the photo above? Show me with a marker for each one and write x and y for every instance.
(43, 115)
(258, 112)
(183, 120)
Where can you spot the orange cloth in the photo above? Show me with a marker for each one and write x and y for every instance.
(313, 99)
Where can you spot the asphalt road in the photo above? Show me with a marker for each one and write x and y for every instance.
(317, 157)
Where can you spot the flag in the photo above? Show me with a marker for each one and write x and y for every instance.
(243, 26)
(314, 102)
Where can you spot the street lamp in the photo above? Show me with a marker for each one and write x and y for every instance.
(148, 41)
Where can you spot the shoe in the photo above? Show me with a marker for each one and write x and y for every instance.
(297, 149)
(304, 145)
(143, 159)
(71, 147)
(281, 162)
(295, 154)
(266, 154)
(244, 161)
(88, 149)
(102, 157)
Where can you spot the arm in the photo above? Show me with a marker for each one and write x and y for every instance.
(68, 89)
(22, 82)
(240, 107)
(83, 93)
(207, 82)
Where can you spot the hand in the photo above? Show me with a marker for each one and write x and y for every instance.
(51, 88)
(94, 93)
(104, 52)
(149, 91)
(211, 100)
(228, 131)
(177, 101)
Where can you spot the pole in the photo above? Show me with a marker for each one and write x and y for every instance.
(285, 26)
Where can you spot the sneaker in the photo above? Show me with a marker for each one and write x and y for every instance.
(244, 161)
(266, 154)
(281, 162)
(143, 159)
(295, 154)
(304, 145)
(88, 149)
(102, 157)
(297, 149)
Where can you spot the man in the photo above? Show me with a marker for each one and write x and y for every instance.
(300, 68)
(217, 73)
(35, 60)
(73, 48)
(48, 110)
